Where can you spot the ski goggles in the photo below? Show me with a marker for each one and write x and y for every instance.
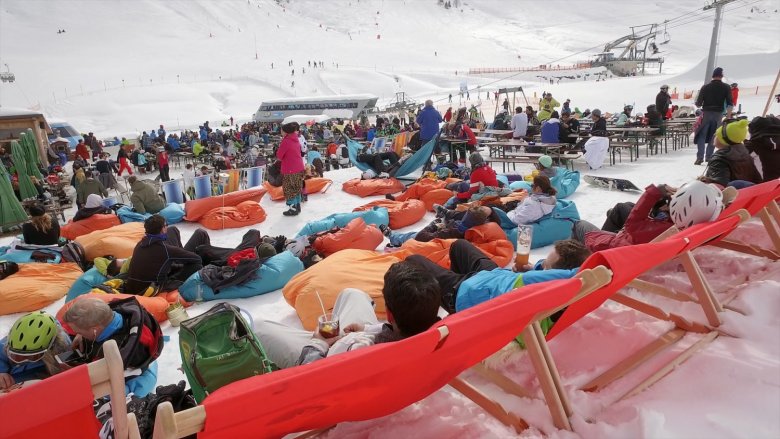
(24, 357)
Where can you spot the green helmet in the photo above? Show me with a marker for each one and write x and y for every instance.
(32, 333)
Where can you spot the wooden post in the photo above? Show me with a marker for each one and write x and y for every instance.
(490, 406)
(771, 94)
(132, 425)
(164, 423)
(546, 381)
(556, 377)
(117, 384)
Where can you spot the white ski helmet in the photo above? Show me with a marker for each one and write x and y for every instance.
(695, 202)
(368, 174)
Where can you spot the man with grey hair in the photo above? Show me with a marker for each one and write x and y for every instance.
(428, 119)
(125, 321)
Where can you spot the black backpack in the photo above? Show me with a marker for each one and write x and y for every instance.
(74, 252)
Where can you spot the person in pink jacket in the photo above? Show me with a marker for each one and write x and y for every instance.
(289, 153)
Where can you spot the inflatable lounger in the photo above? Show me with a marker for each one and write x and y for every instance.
(489, 238)
(195, 209)
(100, 221)
(173, 213)
(118, 241)
(357, 234)
(271, 276)
(35, 286)
(332, 275)
(401, 213)
(377, 186)
(243, 214)
(313, 186)
(376, 216)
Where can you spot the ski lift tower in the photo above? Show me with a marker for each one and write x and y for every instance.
(634, 56)
(401, 102)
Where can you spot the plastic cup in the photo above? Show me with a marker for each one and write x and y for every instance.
(328, 325)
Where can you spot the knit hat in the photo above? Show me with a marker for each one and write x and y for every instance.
(596, 112)
(736, 132)
(265, 250)
(718, 72)
(545, 161)
(93, 200)
(476, 159)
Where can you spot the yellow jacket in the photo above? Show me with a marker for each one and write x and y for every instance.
(546, 108)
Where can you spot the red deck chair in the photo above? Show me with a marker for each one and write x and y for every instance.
(759, 200)
(61, 406)
(370, 382)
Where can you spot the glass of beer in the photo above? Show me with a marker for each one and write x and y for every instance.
(524, 238)
(328, 325)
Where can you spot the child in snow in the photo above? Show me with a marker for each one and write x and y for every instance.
(539, 203)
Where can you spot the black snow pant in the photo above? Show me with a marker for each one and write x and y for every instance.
(377, 161)
(616, 217)
(180, 272)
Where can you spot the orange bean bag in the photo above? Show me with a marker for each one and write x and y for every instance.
(361, 269)
(195, 209)
(35, 286)
(489, 238)
(402, 213)
(356, 234)
(420, 188)
(73, 230)
(313, 186)
(436, 196)
(243, 214)
(155, 305)
(377, 186)
(118, 241)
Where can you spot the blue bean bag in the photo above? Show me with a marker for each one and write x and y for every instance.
(271, 276)
(84, 284)
(173, 213)
(565, 182)
(24, 256)
(376, 216)
(556, 225)
(503, 179)
(507, 226)
(521, 185)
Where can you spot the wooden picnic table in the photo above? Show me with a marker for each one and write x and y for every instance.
(498, 132)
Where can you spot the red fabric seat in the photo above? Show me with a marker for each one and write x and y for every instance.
(378, 380)
(59, 407)
(754, 198)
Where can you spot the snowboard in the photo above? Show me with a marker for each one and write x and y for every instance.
(611, 183)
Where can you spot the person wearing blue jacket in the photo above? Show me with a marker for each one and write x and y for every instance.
(428, 119)
(28, 352)
(474, 278)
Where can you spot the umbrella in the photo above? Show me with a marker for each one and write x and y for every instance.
(11, 210)
(26, 186)
(30, 148)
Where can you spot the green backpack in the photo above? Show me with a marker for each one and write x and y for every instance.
(217, 348)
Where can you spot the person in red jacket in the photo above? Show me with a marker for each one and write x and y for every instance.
(448, 115)
(162, 162)
(482, 175)
(648, 219)
(289, 153)
(82, 151)
(734, 94)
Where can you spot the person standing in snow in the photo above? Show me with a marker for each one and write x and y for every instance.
(546, 106)
(289, 153)
(663, 101)
(711, 99)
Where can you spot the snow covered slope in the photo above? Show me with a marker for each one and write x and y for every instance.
(126, 66)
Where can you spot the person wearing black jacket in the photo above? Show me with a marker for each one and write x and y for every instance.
(663, 100)
(713, 98)
(160, 262)
(569, 125)
(599, 124)
(732, 164)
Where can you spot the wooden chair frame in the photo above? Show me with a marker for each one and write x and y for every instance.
(107, 378)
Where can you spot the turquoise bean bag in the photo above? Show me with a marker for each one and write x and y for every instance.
(173, 213)
(271, 276)
(555, 226)
(565, 183)
(84, 284)
(24, 256)
(376, 216)
(520, 185)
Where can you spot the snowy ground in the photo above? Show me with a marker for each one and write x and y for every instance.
(175, 74)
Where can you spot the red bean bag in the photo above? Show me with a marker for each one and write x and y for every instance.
(357, 234)
(313, 186)
(195, 209)
(101, 221)
(402, 213)
(436, 196)
(377, 186)
(118, 241)
(155, 305)
(243, 214)
(489, 238)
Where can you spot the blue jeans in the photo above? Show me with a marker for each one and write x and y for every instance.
(739, 184)
(710, 122)
(398, 238)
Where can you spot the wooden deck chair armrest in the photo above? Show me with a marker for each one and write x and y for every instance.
(743, 215)
(170, 425)
(107, 378)
(591, 278)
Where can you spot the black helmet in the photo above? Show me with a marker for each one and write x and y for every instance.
(733, 85)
